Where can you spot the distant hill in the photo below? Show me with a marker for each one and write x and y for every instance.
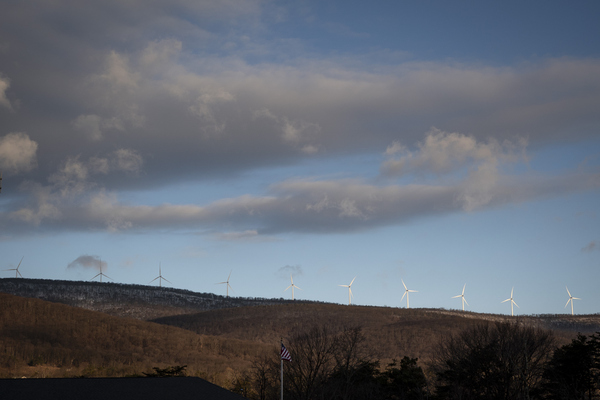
(44, 339)
(390, 332)
(126, 300)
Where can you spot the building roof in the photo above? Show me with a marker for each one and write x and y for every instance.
(180, 388)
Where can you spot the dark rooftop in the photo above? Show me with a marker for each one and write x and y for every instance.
(181, 388)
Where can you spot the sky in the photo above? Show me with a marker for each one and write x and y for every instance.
(443, 144)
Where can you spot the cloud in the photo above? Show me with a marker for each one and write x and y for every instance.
(218, 95)
(93, 125)
(286, 271)
(89, 262)
(443, 152)
(4, 85)
(244, 236)
(17, 152)
(591, 246)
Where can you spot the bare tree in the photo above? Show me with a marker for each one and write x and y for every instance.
(492, 361)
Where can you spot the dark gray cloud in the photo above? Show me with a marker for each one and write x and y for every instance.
(114, 95)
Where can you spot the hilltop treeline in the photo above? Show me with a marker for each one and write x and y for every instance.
(126, 300)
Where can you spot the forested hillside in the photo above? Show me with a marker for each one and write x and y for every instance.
(44, 339)
(390, 332)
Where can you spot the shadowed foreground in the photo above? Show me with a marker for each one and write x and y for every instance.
(180, 388)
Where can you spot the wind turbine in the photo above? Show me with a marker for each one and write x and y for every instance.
(349, 291)
(406, 292)
(226, 282)
(159, 277)
(100, 274)
(511, 302)
(571, 298)
(462, 296)
(17, 273)
(292, 286)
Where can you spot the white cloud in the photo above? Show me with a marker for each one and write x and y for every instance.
(17, 152)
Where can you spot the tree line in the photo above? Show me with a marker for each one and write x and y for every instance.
(494, 361)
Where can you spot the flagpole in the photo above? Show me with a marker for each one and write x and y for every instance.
(281, 359)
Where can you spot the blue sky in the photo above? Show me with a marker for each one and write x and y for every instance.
(435, 143)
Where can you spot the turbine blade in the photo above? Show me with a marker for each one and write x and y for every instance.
(463, 292)
(404, 284)
(20, 262)
(454, 297)
(402, 298)
(576, 298)
(288, 287)
(167, 280)
(352, 281)
(504, 301)
(150, 281)
(466, 301)
(568, 291)
(344, 285)
(516, 304)
(297, 287)
(568, 301)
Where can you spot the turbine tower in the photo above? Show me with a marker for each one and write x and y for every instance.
(17, 273)
(349, 291)
(226, 283)
(292, 286)
(100, 274)
(406, 292)
(571, 298)
(159, 277)
(462, 296)
(511, 302)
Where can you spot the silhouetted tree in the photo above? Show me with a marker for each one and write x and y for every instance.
(494, 361)
(573, 373)
(405, 383)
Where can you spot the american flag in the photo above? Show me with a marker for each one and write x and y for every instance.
(285, 355)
